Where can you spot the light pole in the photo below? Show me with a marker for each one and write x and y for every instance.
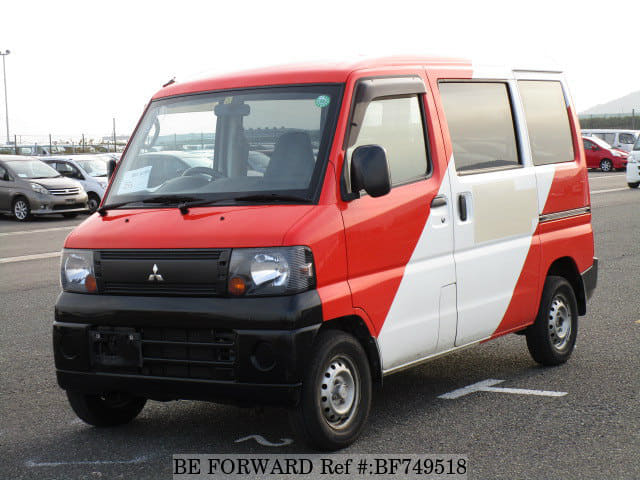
(6, 105)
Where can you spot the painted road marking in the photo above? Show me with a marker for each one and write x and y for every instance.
(31, 463)
(488, 386)
(23, 258)
(263, 441)
(610, 190)
(39, 230)
(591, 177)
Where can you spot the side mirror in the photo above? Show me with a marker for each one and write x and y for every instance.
(111, 166)
(370, 170)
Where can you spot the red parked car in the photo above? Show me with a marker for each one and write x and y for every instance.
(599, 154)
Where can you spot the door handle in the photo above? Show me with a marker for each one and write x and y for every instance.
(439, 201)
(462, 207)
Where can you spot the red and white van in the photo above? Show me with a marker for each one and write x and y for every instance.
(291, 235)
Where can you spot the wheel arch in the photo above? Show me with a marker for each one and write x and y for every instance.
(566, 267)
(356, 326)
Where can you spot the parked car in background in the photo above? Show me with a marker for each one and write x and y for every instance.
(89, 170)
(29, 186)
(633, 166)
(622, 139)
(600, 154)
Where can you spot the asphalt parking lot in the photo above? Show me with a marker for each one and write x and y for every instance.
(592, 432)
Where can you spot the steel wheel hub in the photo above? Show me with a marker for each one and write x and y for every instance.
(559, 323)
(339, 392)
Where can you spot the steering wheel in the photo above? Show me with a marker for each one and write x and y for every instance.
(214, 174)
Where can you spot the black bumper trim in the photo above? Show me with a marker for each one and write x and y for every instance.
(590, 279)
(163, 389)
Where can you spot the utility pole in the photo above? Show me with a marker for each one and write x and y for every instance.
(115, 149)
(6, 105)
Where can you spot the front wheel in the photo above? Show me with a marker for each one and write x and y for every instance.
(105, 410)
(21, 209)
(606, 165)
(336, 393)
(93, 203)
(633, 184)
(552, 337)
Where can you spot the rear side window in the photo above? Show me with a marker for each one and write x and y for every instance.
(547, 118)
(627, 138)
(480, 125)
(396, 125)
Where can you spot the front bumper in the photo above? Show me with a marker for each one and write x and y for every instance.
(261, 360)
(52, 204)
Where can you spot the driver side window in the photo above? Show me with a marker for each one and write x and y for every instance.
(4, 175)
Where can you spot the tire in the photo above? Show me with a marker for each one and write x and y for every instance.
(332, 422)
(552, 337)
(105, 411)
(93, 203)
(21, 209)
(606, 165)
(633, 184)
(70, 215)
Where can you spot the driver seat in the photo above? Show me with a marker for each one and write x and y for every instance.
(292, 158)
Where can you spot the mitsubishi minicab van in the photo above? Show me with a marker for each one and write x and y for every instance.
(402, 208)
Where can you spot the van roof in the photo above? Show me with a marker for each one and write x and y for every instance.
(320, 72)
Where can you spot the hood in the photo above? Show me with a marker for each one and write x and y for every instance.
(56, 182)
(204, 227)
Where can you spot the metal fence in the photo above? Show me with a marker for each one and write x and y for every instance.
(51, 144)
(611, 120)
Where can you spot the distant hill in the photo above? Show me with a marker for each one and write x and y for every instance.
(620, 105)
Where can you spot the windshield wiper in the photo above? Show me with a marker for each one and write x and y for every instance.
(269, 197)
(160, 199)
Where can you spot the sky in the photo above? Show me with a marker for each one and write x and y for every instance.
(74, 66)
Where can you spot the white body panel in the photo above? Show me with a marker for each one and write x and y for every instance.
(410, 331)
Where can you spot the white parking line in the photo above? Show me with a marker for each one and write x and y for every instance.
(23, 258)
(39, 230)
(31, 463)
(487, 386)
(609, 190)
(607, 176)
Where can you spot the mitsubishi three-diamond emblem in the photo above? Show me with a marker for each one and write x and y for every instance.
(155, 276)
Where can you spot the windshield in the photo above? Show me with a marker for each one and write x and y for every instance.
(32, 169)
(268, 142)
(94, 167)
(598, 141)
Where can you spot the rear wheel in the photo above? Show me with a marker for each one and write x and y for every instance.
(606, 165)
(633, 184)
(552, 337)
(336, 393)
(21, 209)
(105, 410)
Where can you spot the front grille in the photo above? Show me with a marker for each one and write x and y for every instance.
(203, 353)
(64, 191)
(162, 272)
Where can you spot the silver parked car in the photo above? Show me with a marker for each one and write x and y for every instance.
(29, 186)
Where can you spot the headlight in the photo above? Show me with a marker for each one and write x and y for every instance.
(270, 271)
(617, 154)
(76, 271)
(39, 188)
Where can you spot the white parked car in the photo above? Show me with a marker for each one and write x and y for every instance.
(633, 166)
(89, 170)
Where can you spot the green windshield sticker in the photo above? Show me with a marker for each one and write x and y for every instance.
(322, 101)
